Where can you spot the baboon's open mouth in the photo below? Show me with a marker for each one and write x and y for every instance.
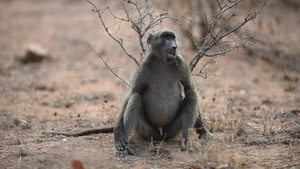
(171, 55)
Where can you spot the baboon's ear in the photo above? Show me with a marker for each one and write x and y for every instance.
(149, 39)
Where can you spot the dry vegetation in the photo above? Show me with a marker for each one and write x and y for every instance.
(250, 100)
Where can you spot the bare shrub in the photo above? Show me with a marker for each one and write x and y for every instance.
(211, 33)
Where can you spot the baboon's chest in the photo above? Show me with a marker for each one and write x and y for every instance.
(161, 101)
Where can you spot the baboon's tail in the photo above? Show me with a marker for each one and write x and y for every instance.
(86, 132)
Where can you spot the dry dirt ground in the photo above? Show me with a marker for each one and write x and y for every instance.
(249, 103)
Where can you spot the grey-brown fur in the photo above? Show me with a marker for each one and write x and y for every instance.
(162, 100)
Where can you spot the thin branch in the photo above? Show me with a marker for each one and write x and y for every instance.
(119, 41)
(126, 11)
(200, 53)
(226, 7)
(218, 2)
(222, 28)
(251, 16)
(107, 65)
(17, 163)
(205, 48)
(116, 17)
(204, 69)
(138, 24)
(157, 148)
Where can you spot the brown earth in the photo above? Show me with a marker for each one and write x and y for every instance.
(251, 101)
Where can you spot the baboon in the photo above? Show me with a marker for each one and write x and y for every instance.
(162, 100)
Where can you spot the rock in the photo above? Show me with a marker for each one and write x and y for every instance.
(35, 53)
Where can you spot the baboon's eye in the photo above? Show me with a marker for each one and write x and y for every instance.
(172, 36)
(164, 36)
(168, 36)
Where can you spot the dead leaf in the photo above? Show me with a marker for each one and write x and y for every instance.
(230, 122)
(213, 99)
(17, 142)
(195, 167)
(77, 164)
(295, 111)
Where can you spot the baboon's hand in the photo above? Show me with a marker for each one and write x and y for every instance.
(123, 153)
(183, 143)
(121, 146)
(186, 144)
(201, 132)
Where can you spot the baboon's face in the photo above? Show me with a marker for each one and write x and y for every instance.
(164, 45)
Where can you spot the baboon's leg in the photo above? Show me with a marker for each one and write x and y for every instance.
(133, 117)
(133, 109)
(126, 124)
(185, 119)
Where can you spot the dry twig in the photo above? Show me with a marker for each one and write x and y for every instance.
(107, 65)
(143, 18)
(212, 39)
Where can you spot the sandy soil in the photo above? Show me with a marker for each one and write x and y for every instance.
(249, 102)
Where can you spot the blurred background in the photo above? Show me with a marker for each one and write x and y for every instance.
(50, 79)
